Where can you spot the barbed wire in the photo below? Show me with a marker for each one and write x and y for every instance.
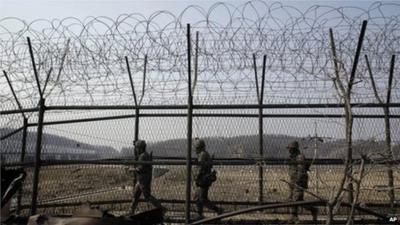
(87, 56)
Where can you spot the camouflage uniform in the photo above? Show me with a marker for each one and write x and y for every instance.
(298, 174)
(202, 181)
(143, 176)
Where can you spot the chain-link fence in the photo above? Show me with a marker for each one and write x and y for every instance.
(87, 161)
(100, 84)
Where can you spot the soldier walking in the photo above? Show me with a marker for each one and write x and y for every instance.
(298, 173)
(143, 173)
(204, 178)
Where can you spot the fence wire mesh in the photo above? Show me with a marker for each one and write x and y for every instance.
(85, 152)
(64, 187)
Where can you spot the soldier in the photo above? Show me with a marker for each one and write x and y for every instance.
(204, 178)
(298, 173)
(143, 175)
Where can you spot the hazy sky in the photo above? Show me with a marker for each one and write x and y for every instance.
(49, 9)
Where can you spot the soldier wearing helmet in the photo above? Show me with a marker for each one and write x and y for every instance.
(204, 178)
(143, 175)
(298, 175)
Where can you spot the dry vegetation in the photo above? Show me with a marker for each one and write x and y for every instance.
(66, 184)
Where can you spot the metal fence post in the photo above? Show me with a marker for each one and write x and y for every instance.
(260, 98)
(38, 148)
(261, 132)
(189, 133)
(134, 151)
(348, 108)
(137, 104)
(22, 159)
(137, 124)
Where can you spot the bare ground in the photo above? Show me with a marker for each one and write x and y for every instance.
(69, 184)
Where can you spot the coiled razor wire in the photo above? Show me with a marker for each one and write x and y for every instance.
(88, 66)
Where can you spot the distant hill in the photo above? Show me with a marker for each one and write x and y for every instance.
(54, 147)
(245, 146)
(274, 147)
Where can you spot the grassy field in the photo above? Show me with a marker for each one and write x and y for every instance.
(74, 184)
